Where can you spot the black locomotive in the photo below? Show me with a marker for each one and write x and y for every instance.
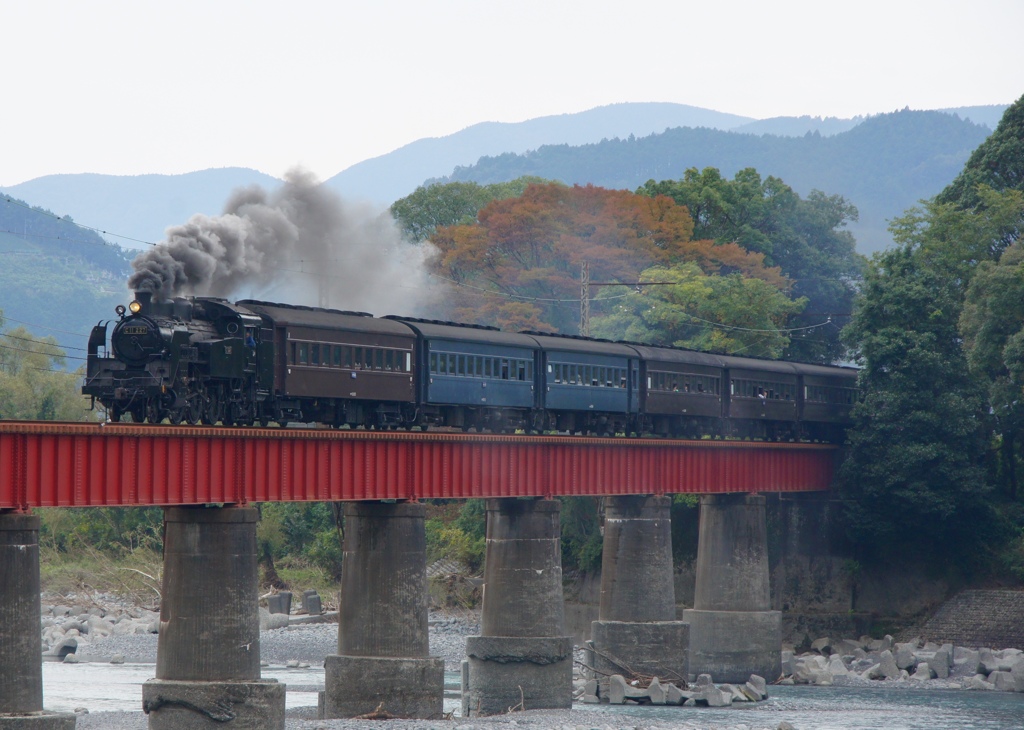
(209, 360)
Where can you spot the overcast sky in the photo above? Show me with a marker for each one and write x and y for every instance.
(128, 87)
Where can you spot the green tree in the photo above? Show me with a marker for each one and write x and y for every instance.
(33, 384)
(914, 465)
(729, 314)
(992, 324)
(998, 163)
(803, 237)
(429, 207)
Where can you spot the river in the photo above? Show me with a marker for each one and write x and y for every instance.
(104, 687)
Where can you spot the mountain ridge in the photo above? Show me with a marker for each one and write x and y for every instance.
(138, 209)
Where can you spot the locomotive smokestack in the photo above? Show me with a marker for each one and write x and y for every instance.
(145, 299)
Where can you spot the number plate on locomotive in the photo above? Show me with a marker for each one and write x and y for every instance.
(136, 329)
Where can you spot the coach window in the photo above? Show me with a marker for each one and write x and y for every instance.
(346, 357)
(291, 353)
(314, 354)
(357, 362)
(303, 353)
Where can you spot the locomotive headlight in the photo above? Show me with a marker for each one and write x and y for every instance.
(119, 310)
(135, 306)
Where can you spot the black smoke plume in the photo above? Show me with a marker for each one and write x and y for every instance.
(300, 244)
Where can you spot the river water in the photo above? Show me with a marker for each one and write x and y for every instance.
(105, 687)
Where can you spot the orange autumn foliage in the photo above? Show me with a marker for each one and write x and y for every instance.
(519, 266)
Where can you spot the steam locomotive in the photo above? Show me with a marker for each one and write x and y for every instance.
(208, 360)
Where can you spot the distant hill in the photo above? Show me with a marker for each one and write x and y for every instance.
(57, 278)
(142, 207)
(883, 165)
(986, 116)
(389, 177)
(138, 206)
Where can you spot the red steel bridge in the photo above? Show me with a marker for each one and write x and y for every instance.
(92, 465)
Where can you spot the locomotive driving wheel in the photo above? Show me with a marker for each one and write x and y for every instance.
(155, 412)
(211, 413)
(193, 409)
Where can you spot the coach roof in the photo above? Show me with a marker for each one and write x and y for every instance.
(316, 317)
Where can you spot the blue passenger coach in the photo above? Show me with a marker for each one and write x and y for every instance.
(587, 385)
(472, 376)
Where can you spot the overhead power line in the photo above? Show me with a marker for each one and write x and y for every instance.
(18, 203)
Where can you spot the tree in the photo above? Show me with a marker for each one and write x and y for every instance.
(998, 163)
(427, 208)
(803, 237)
(992, 324)
(914, 465)
(729, 314)
(33, 385)
(519, 265)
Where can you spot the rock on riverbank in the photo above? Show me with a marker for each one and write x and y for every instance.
(916, 663)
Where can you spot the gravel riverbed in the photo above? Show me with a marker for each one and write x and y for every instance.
(303, 642)
(310, 643)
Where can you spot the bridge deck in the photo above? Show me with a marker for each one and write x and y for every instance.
(89, 465)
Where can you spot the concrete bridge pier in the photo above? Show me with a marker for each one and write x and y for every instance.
(522, 659)
(637, 631)
(21, 670)
(383, 641)
(208, 651)
(733, 632)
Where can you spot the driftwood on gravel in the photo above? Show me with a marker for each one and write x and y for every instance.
(379, 714)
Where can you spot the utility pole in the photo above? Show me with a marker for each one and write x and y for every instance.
(585, 300)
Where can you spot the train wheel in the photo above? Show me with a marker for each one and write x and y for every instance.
(175, 416)
(193, 410)
(154, 412)
(211, 413)
(138, 412)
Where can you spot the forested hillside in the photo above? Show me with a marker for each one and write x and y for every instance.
(934, 459)
(139, 207)
(57, 278)
(882, 166)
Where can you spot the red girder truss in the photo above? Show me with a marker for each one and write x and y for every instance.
(92, 465)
